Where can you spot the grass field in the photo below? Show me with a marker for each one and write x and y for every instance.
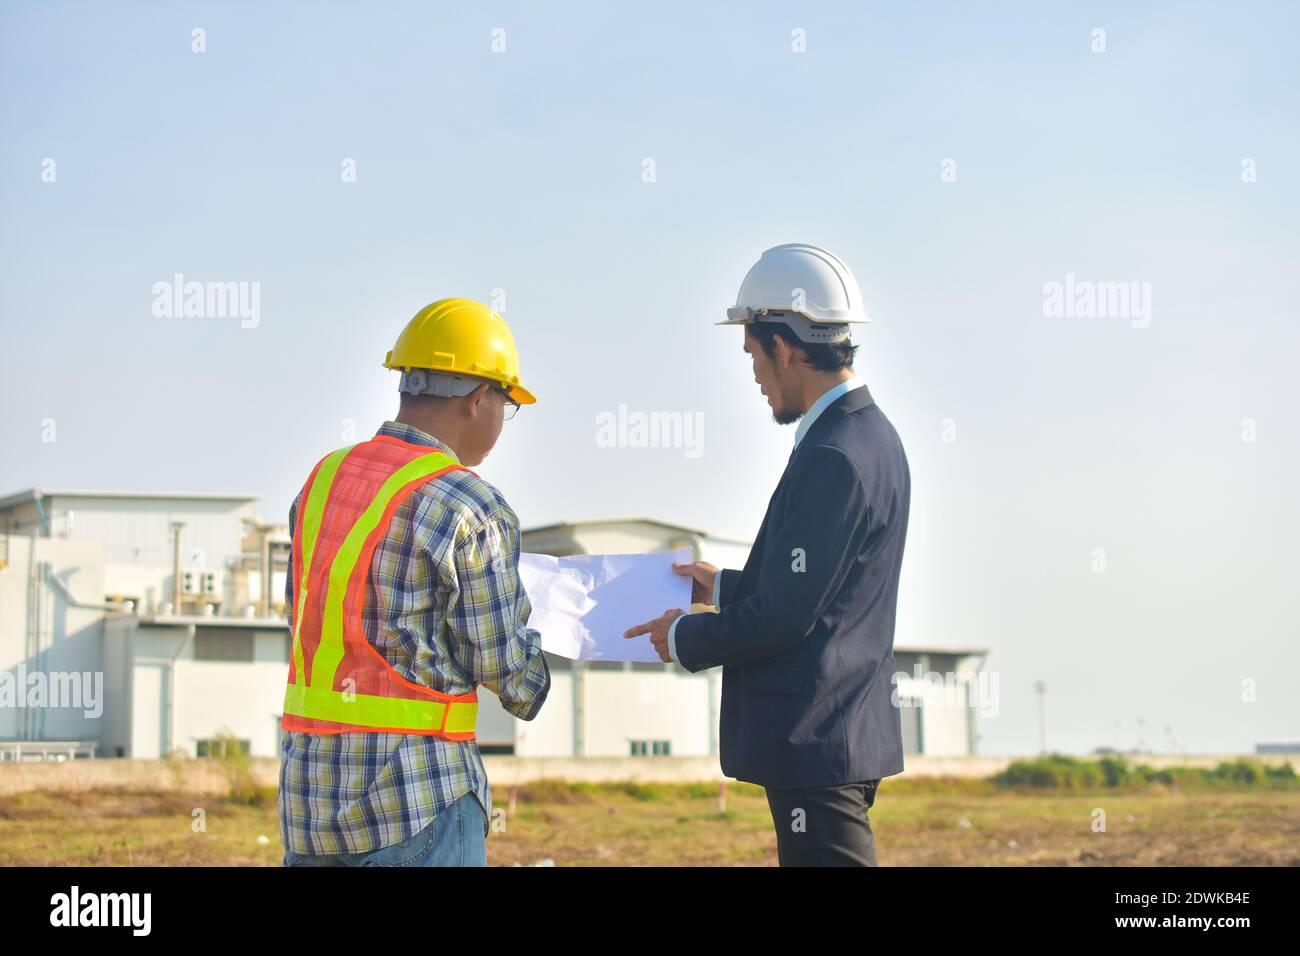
(917, 822)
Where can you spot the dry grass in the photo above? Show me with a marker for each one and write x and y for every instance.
(922, 822)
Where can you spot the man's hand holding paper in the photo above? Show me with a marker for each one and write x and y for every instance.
(582, 603)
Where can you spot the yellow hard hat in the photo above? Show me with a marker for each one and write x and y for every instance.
(461, 336)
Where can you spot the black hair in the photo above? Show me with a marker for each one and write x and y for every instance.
(823, 356)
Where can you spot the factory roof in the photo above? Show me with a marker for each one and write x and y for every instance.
(36, 494)
(589, 522)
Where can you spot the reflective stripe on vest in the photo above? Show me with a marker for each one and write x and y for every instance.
(347, 505)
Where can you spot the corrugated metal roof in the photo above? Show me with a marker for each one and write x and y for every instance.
(201, 620)
(31, 494)
(635, 520)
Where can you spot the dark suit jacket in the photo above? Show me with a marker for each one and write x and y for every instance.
(805, 633)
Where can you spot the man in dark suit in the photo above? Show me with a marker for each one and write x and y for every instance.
(805, 632)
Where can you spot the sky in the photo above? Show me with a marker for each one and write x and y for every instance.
(1106, 501)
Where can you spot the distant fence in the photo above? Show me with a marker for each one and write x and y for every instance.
(207, 776)
(23, 751)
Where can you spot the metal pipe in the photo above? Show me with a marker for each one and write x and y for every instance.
(40, 513)
(70, 598)
(43, 628)
(176, 566)
(171, 691)
(265, 602)
(26, 727)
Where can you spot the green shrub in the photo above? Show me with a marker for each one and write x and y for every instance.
(1242, 771)
(1059, 772)
(1114, 770)
(1053, 772)
(236, 767)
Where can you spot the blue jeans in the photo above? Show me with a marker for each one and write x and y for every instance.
(456, 837)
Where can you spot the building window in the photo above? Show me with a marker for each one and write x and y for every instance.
(218, 748)
(911, 715)
(223, 644)
(651, 748)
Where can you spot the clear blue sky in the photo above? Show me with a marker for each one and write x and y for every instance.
(522, 171)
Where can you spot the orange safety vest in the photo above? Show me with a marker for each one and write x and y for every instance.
(338, 682)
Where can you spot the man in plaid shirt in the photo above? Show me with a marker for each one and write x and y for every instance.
(446, 610)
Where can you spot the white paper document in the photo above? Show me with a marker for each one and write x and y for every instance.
(582, 604)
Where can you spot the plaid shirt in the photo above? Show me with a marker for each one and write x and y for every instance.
(445, 608)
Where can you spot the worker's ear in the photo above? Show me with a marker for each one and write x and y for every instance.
(477, 397)
(785, 352)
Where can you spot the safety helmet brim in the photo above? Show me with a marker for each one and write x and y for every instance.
(521, 395)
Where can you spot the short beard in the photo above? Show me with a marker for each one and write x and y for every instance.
(786, 417)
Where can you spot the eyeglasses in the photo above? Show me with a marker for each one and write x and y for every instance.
(511, 405)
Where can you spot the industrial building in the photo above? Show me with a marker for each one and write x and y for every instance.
(137, 624)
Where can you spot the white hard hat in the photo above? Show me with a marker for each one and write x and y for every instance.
(804, 286)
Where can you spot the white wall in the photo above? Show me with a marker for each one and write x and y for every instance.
(255, 590)
(149, 683)
(634, 537)
(241, 697)
(724, 554)
(494, 725)
(68, 636)
(945, 719)
(115, 731)
(628, 538)
(149, 654)
(137, 538)
(622, 706)
(550, 733)
(244, 699)
(138, 530)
